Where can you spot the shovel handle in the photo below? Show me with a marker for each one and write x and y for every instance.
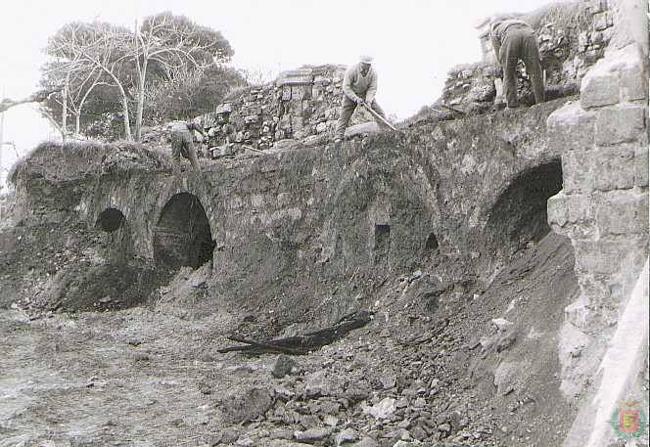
(378, 116)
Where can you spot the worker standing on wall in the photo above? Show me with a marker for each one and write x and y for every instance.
(359, 88)
(514, 40)
(183, 143)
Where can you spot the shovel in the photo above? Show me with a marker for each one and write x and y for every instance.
(379, 117)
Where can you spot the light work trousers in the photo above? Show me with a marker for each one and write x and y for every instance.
(182, 144)
(347, 109)
(521, 43)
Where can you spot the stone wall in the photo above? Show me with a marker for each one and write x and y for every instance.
(301, 103)
(603, 206)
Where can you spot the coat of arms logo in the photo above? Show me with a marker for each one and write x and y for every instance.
(629, 420)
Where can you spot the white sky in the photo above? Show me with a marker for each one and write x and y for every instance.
(414, 42)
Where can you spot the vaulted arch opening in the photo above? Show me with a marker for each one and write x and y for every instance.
(110, 220)
(182, 236)
(519, 215)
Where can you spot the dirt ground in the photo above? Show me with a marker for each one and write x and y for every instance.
(440, 371)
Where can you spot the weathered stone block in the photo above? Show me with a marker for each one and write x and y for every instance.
(634, 81)
(321, 127)
(297, 92)
(597, 38)
(572, 215)
(623, 212)
(606, 256)
(557, 211)
(619, 76)
(641, 166)
(576, 169)
(608, 34)
(612, 168)
(595, 294)
(601, 20)
(602, 169)
(295, 80)
(619, 124)
(223, 108)
(571, 127)
(599, 89)
(245, 406)
(590, 258)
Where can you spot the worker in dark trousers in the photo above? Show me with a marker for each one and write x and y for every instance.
(514, 40)
(359, 88)
(183, 143)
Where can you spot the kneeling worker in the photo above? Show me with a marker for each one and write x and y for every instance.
(514, 40)
(359, 87)
(183, 143)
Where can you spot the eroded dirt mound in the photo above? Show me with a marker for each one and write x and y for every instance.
(72, 160)
(58, 263)
(107, 286)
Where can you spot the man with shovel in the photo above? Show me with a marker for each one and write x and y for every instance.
(359, 88)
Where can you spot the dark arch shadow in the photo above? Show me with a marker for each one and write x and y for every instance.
(519, 215)
(182, 236)
(109, 220)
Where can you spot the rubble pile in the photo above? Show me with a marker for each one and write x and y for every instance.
(572, 38)
(471, 87)
(410, 378)
(361, 400)
(71, 159)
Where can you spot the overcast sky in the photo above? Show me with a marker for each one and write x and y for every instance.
(414, 42)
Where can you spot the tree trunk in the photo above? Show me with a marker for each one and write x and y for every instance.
(64, 108)
(140, 107)
(125, 102)
(125, 111)
(81, 106)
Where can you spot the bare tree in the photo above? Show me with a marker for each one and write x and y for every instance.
(98, 47)
(80, 93)
(75, 82)
(162, 48)
(173, 44)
